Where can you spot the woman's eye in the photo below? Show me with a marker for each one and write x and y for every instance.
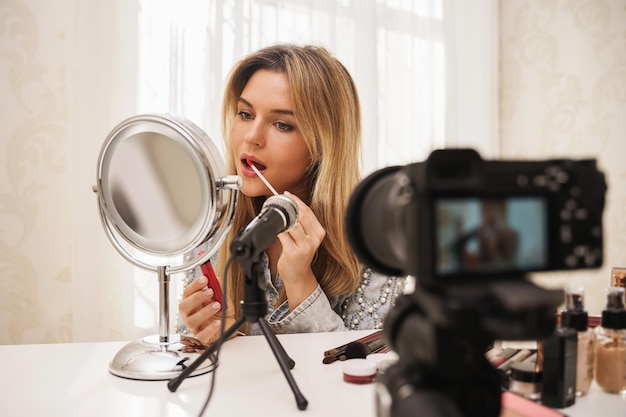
(283, 127)
(244, 115)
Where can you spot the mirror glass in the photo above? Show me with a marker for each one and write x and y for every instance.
(154, 191)
(157, 185)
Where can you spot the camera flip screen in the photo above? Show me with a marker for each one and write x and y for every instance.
(490, 235)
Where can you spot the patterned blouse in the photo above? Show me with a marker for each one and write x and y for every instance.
(365, 309)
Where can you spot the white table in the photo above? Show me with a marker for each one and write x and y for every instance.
(73, 380)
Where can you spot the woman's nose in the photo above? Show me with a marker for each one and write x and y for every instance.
(255, 134)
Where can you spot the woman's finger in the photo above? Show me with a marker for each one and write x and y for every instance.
(198, 284)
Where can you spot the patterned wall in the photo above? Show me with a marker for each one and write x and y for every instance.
(35, 275)
(563, 93)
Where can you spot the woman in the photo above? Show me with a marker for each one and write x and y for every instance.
(293, 111)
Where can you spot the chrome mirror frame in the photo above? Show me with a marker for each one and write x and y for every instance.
(214, 200)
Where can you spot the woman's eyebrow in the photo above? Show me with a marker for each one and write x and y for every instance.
(279, 111)
(244, 101)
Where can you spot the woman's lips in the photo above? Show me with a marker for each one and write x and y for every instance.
(253, 165)
(257, 164)
(247, 171)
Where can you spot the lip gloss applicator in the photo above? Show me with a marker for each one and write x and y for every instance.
(258, 174)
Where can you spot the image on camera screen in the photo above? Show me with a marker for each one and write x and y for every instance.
(490, 235)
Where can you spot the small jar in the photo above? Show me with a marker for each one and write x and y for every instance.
(383, 361)
(359, 371)
(525, 380)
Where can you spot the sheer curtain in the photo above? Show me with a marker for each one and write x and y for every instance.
(425, 70)
(102, 82)
(401, 53)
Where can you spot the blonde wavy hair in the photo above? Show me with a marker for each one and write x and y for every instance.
(327, 110)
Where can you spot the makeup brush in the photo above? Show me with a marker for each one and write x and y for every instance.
(356, 349)
(353, 350)
(340, 349)
(361, 350)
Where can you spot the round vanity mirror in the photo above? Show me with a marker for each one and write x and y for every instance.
(163, 195)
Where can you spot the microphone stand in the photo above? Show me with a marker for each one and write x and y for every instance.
(254, 309)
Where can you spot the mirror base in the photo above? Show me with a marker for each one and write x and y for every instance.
(147, 360)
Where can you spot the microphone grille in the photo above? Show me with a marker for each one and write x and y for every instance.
(287, 205)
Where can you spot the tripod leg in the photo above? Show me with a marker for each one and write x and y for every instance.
(276, 346)
(174, 383)
(283, 358)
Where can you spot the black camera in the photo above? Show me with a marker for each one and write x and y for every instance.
(470, 231)
(459, 217)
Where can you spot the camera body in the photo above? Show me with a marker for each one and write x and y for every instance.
(458, 218)
(470, 231)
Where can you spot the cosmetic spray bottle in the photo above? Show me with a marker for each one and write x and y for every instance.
(560, 354)
(574, 316)
(610, 368)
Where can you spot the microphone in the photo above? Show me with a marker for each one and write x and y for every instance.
(278, 214)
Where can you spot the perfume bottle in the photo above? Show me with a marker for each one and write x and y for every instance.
(574, 316)
(610, 368)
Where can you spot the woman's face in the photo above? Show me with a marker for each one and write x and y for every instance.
(265, 132)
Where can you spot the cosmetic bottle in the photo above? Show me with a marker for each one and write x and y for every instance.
(574, 316)
(610, 367)
(559, 353)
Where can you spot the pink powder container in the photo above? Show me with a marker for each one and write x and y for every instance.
(359, 371)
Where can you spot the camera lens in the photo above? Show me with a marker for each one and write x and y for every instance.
(375, 220)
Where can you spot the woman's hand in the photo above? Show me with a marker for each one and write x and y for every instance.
(299, 246)
(201, 313)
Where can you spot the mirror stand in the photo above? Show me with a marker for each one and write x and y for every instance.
(163, 192)
(158, 357)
